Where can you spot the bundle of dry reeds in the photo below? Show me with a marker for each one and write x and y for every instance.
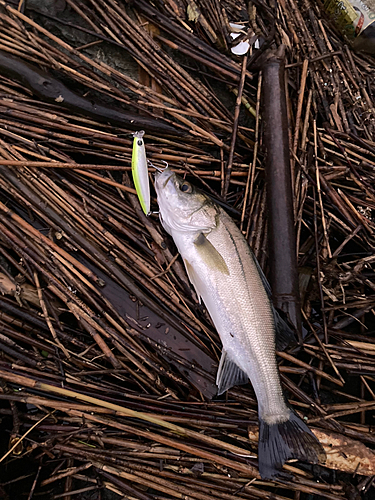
(108, 361)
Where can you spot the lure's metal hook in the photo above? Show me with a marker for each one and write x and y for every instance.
(160, 170)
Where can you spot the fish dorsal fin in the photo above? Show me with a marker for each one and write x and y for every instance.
(210, 255)
(194, 280)
(266, 285)
(284, 333)
(229, 374)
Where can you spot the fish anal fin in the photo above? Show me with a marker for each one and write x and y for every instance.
(194, 280)
(229, 374)
(210, 255)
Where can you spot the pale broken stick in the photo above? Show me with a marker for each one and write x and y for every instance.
(343, 453)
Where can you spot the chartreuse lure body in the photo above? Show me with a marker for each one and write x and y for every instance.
(140, 171)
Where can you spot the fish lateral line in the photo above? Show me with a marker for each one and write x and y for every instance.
(226, 275)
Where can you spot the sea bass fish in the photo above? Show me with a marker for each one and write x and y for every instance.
(227, 277)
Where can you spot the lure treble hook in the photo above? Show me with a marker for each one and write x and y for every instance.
(160, 170)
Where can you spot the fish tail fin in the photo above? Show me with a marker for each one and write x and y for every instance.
(282, 441)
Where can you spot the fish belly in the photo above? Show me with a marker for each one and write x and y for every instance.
(240, 310)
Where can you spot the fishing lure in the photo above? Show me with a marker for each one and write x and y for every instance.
(140, 171)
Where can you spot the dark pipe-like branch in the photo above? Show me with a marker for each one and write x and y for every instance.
(282, 240)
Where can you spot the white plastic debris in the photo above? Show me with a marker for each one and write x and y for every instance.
(241, 48)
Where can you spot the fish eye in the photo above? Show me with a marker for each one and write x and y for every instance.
(186, 188)
(139, 143)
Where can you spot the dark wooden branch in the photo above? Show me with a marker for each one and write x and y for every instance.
(51, 90)
(283, 259)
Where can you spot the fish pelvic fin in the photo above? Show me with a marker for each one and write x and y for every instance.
(279, 442)
(210, 255)
(229, 374)
(194, 279)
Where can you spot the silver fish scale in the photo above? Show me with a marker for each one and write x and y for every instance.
(240, 309)
(225, 274)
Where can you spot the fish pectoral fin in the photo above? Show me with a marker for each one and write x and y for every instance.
(194, 280)
(284, 334)
(210, 255)
(229, 374)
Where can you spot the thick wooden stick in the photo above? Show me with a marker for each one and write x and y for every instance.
(283, 259)
(51, 90)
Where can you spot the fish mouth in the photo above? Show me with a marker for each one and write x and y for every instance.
(167, 180)
(160, 174)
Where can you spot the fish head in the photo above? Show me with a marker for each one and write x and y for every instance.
(182, 206)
